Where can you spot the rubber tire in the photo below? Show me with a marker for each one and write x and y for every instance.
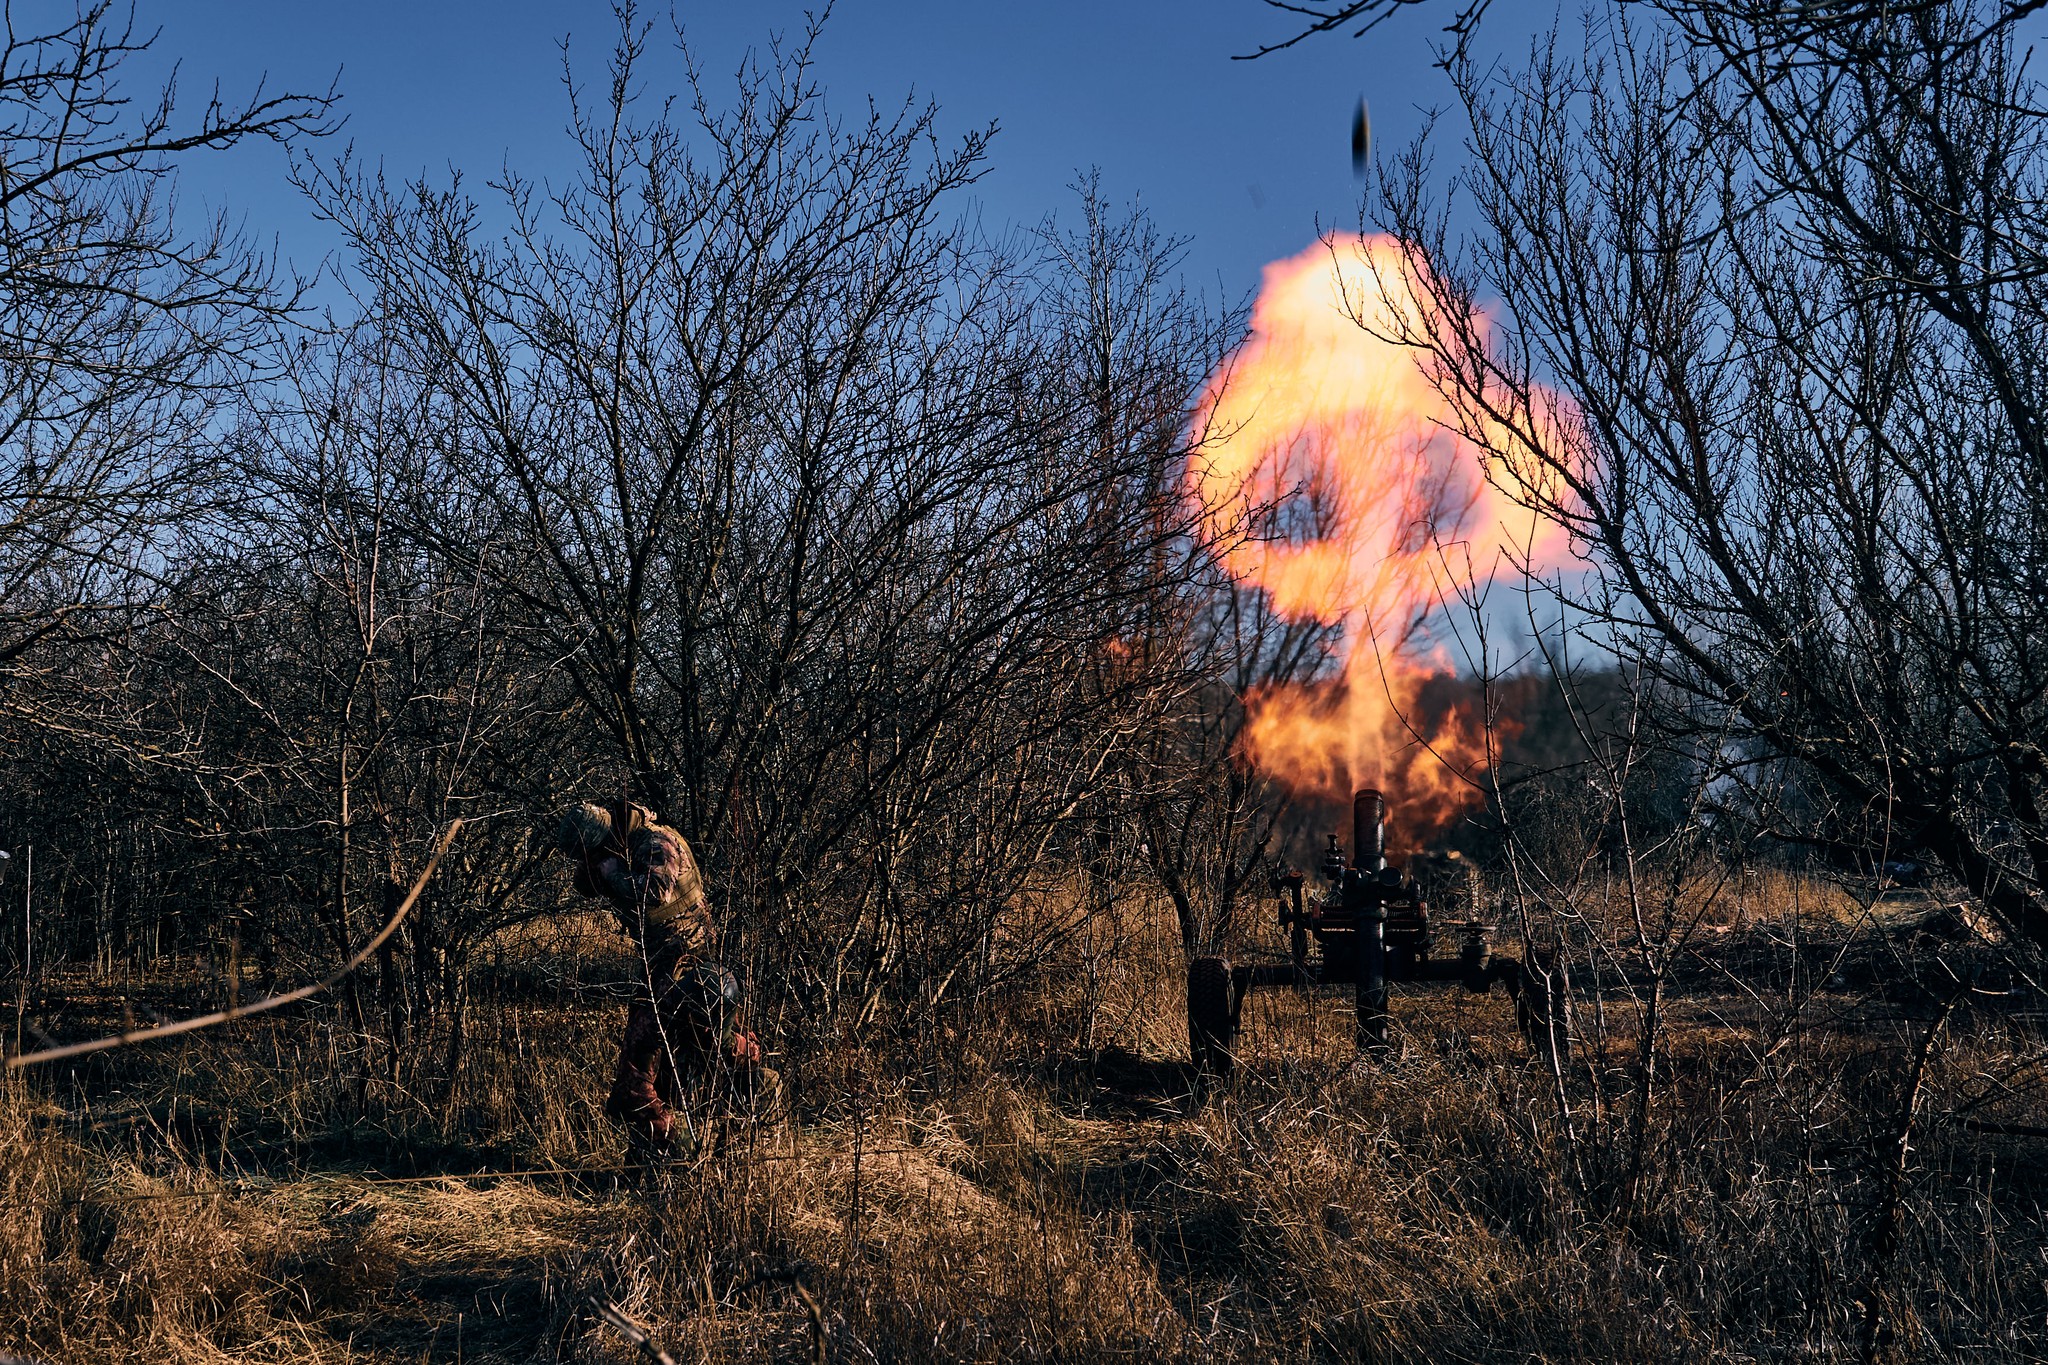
(1212, 1033)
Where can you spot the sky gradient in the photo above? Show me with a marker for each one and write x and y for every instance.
(1243, 158)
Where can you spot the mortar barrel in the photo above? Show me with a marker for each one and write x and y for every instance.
(1369, 830)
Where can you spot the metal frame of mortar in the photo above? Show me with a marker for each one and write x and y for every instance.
(1371, 927)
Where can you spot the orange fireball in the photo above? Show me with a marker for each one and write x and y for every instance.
(1367, 508)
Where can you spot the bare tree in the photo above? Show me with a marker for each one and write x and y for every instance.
(1333, 17)
(827, 511)
(120, 331)
(348, 688)
(1778, 31)
(1794, 312)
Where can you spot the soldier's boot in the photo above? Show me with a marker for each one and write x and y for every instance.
(636, 1103)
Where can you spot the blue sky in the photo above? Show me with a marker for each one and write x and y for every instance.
(1244, 158)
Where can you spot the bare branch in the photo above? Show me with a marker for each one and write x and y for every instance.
(264, 1005)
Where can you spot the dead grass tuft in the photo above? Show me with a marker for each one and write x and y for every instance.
(999, 1189)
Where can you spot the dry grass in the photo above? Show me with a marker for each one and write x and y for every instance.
(1004, 1193)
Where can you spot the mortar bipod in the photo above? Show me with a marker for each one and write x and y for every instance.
(1370, 927)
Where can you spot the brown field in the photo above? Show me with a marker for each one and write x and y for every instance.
(1038, 1182)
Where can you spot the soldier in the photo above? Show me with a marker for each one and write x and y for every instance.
(685, 1021)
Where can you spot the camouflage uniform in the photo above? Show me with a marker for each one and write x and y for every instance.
(683, 1023)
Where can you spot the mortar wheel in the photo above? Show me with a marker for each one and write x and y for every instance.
(1535, 1006)
(1212, 1033)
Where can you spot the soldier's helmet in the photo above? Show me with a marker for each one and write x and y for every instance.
(585, 828)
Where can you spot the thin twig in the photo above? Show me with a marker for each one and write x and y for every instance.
(2025, 1130)
(261, 1006)
(1884, 1234)
(794, 1278)
(616, 1318)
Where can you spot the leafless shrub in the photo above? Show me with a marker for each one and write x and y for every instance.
(121, 334)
